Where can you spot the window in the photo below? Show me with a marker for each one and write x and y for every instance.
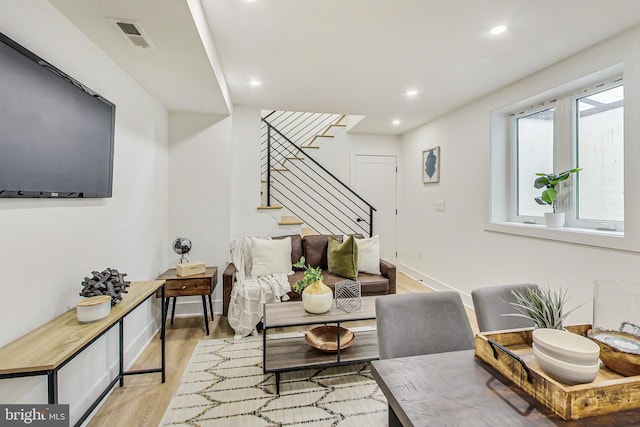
(600, 151)
(584, 129)
(535, 154)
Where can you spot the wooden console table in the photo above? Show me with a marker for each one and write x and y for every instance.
(47, 349)
(194, 285)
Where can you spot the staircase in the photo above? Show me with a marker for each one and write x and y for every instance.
(300, 188)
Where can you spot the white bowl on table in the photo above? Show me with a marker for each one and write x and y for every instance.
(566, 346)
(565, 372)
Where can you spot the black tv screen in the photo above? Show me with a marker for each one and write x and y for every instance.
(56, 135)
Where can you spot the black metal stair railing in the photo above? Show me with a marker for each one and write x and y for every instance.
(305, 187)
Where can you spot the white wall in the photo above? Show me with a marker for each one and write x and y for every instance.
(245, 178)
(451, 249)
(49, 246)
(199, 194)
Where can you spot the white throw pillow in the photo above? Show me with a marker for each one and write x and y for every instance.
(369, 255)
(270, 256)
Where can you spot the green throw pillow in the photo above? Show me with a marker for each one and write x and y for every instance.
(343, 258)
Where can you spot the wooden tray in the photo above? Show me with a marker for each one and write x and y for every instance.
(609, 392)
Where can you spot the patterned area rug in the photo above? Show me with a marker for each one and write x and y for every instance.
(223, 385)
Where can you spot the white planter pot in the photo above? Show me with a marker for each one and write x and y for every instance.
(93, 309)
(317, 298)
(554, 219)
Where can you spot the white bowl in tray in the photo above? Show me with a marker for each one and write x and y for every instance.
(566, 346)
(565, 372)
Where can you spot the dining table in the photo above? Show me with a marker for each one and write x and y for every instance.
(458, 389)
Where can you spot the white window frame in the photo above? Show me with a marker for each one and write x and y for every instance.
(513, 131)
(565, 154)
(571, 217)
(548, 85)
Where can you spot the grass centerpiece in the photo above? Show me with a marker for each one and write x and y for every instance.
(544, 306)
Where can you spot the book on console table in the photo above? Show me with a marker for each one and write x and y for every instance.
(190, 268)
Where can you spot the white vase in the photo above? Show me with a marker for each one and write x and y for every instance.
(317, 298)
(554, 219)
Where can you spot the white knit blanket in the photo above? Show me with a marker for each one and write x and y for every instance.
(248, 293)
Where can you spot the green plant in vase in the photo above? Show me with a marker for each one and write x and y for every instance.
(311, 275)
(316, 296)
(550, 181)
(544, 306)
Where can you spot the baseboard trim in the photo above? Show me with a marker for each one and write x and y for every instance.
(192, 306)
(433, 283)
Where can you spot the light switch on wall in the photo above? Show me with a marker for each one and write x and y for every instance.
(439, 205)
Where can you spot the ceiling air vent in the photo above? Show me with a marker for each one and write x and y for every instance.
(133, 31)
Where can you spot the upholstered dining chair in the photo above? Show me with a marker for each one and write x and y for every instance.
(422, 323)
(492, 302)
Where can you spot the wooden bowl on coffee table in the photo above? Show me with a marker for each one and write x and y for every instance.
(325, 338)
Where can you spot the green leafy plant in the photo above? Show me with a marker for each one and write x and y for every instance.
(544, 306)
(550, 181)
(311, 275)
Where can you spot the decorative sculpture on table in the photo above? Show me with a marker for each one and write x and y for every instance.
(109, 282)
(348, 295)
(182, 246)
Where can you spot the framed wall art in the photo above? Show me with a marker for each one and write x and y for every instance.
(431, 165)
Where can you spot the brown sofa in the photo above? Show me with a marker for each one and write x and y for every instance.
(314, 249)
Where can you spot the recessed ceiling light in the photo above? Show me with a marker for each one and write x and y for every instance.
(396, 122)
(411, 92)
(498, 29)
(255, 83)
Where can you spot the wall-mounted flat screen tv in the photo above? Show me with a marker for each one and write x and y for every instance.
(56, 135)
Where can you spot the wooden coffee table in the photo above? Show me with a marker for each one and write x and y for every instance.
(291, 354)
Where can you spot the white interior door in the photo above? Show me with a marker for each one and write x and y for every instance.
(375, 179)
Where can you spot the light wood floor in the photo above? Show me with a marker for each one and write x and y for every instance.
(143, 399)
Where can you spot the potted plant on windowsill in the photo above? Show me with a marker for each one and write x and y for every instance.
(550, 181)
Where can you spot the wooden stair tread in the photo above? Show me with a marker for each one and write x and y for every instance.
(279, 170)
(318, 136)
(324, 133)
(309, 146)
(263, 207)
(289, 220)
(295, 158)
(308, 231)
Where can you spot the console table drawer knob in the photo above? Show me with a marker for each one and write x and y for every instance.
(184, 287)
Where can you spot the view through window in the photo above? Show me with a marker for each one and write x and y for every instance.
(600, 145)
